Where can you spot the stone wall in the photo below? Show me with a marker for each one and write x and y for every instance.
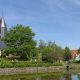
(30, 70)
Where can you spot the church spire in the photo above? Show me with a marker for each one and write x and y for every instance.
(3, 22)
(3, 28)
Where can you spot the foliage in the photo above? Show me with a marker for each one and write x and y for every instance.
(19, 41)
(67, 54)
(4, 63)
(78, 50)
(50, 51)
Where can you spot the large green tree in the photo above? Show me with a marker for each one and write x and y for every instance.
(20, 41)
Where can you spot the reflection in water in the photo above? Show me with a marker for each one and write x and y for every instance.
(53, 76)
(68, 76)
(75, 77)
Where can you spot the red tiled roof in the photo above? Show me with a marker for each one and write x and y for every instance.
(74, 53)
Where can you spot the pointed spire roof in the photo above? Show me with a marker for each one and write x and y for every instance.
(0, 21)
(3, 22)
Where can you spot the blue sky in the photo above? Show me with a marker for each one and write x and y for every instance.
(55, 20)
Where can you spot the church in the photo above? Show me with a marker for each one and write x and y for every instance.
(3, 30)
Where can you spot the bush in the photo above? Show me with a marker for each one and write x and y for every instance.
(4, 63)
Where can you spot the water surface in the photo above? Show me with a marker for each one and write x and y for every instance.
(46, 76)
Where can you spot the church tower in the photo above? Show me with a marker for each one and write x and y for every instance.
(3, 28)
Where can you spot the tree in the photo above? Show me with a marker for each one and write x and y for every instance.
(19, 41)
(50, 51)
(55, 52)
(67, 54)
(78, 50)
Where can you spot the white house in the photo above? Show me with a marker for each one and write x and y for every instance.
(77, 58)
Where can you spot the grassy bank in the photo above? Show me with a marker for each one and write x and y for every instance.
(30, 76)
(4, 63)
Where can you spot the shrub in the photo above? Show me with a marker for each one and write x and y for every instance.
(4, 63)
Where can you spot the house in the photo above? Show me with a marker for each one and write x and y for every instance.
(74, 53)
(77, 58)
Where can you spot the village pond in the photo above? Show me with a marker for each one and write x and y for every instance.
(46, 76)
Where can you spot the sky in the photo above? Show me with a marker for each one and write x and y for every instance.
(51, 20)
